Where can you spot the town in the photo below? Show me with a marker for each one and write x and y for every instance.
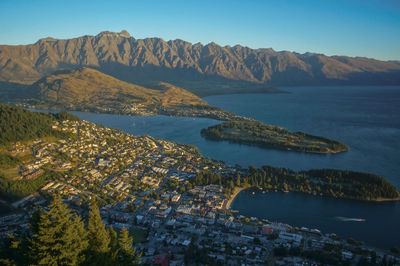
(145, 185)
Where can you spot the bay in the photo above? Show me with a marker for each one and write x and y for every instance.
(380, 228)
(367, 119)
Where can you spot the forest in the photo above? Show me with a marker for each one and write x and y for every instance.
(267, 136)
(17, 124)
(11, 190)
(327, 182)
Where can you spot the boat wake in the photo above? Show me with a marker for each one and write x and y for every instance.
(347, 219)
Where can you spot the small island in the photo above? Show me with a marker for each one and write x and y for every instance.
(267, 136)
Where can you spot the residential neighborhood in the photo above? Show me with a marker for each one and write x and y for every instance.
(145, 185)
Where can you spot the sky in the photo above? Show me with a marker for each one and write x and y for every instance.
(369, 28)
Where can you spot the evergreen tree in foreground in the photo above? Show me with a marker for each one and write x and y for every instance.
(127, 254)
(60, 238)
(99, 238)
(113, 244)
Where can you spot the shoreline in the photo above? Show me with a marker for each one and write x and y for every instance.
(237, 190)
(227, 203)
(386, 199)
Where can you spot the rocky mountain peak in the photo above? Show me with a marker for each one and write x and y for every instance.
(180, 62)
(123, 33)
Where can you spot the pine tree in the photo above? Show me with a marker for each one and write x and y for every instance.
(60, 238)
(231, 185)
(238, 180)
(113, 244)
(10, 251)
(99, 238)
(127, 253)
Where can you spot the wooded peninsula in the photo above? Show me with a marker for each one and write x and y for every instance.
(267, 136)
(323, 182)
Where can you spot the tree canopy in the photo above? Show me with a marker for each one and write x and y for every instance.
(59, 237)
(17, 124)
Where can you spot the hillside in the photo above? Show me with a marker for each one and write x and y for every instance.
(17, 124)
(87, 89)
(90, 90)
(194, 66)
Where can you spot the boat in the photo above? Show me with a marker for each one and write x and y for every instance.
(347, 219)
(316, 231)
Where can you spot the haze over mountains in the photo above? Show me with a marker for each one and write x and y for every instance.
(152, 59)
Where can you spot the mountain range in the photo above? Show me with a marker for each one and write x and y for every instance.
(196, 67)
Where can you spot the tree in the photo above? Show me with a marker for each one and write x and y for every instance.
(280, 251)
(13, 251)
(34, 221)
(395, 250)
(127, 254)
(60, 239)
(231, 185)
(238, 180)
(113, 244)
(98, 237)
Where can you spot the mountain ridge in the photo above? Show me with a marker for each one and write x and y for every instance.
(185, 64)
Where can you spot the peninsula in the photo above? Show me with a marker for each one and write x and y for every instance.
(267, 136)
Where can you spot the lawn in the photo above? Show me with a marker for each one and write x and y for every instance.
(139, 235)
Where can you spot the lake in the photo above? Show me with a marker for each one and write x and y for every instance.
(367, 119)
(380, 228)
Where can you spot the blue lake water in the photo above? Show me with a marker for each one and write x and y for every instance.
(380, 228)
(367, 119)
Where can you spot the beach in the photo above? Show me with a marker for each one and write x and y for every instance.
(227, 203)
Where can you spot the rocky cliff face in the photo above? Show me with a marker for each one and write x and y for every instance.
(153, 59)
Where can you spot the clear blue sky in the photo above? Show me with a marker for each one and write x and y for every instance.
(368, 28)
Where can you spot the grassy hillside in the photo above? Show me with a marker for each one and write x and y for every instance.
(176, 96)
(89, 89)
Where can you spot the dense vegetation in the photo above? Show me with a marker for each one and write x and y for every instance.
(7, 160)
(15, 189)
(328, 182)
(262, 135)
(17, 124)
(61, 116)
(58, 237)
(358, 184)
